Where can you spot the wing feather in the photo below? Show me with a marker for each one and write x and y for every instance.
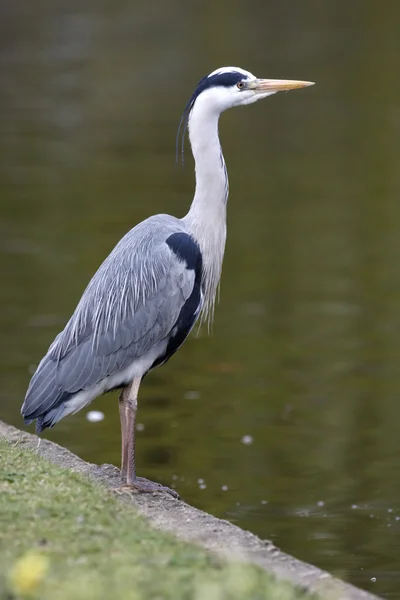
(132, 302)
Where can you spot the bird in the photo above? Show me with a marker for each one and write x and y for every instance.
(161, 277)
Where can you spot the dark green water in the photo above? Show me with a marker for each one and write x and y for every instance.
(305, 352)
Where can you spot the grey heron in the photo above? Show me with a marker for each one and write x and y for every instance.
(145, 298)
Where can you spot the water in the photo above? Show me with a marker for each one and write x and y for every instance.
(303, 364)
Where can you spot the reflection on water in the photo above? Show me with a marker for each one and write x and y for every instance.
(304, 360)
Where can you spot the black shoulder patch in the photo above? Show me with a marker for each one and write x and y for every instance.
(188, 250)
(185, 249)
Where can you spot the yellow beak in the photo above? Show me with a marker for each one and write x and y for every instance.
(277, 85)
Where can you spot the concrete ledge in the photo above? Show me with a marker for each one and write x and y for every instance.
(194, 525)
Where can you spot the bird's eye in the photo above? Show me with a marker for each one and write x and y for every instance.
(240, 85)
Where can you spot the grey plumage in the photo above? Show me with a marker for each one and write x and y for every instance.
(130, 305)
(144, 299)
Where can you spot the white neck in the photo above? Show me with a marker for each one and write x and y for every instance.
(206, 219)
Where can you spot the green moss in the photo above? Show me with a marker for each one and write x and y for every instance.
(96, 548)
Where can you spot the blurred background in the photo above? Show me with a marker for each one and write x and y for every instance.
(286, 420)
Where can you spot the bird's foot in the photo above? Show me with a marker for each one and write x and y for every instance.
(142, 485)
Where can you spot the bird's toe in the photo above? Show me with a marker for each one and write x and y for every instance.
(144, 486)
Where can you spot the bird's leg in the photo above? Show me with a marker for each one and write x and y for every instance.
(127, 411)
(122, 414)
(130, 407)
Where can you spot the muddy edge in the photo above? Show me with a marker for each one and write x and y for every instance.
(191, 524)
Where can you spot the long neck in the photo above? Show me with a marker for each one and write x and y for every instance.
(206, 219)
(211, 177)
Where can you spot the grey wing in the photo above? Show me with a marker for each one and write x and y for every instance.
(128, 334)
(132, 303)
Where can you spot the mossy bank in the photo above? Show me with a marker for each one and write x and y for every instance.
(65, 536)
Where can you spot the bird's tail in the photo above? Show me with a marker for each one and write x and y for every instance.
(44, 400)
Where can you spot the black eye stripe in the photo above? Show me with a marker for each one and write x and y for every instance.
(218, 79)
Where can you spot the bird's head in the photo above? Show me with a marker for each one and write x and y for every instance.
(231, 86)
(227, 87)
